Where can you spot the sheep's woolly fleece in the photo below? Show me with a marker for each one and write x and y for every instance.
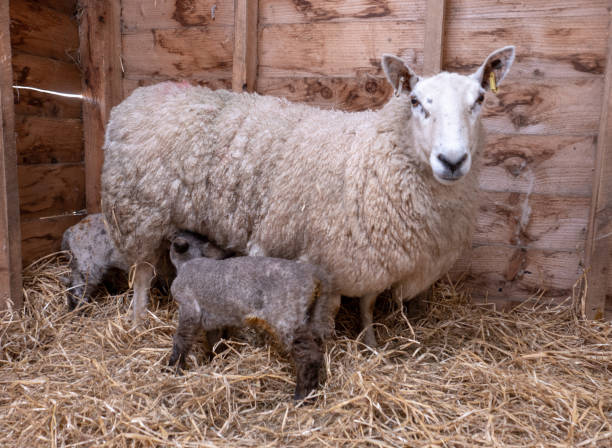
(253, 172)
(458, 375)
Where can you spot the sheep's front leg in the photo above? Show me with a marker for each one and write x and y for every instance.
(307, 352)
(186, 333)
(142, 284)
(366, 307)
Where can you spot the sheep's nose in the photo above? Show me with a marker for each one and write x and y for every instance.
(452, 165)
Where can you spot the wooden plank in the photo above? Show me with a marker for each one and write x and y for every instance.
(100, 35)
(351, 94)
(599, 238)
(29, 102)
(336, 49)
(46, 73)
(434, 33)
(481, 9)
(510, 273)
(48, 140)
(282, 11)
(10, 247)
(49, 190)
(532, 221)
(129, 83)
(41, 237)
(547, 47)
(538, 164)
(178, 52)
(144, 15)
(68, 7)
(545, 107)
(42, 31)
(244, 61)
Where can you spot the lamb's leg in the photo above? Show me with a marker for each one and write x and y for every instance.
(81, 290)
(307, 352)
(186, 333)
(142, 283)
(366, 306)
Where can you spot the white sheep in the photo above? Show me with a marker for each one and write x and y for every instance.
(377, 199)
(290, 300)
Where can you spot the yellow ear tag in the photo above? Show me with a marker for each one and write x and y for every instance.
(492, 82)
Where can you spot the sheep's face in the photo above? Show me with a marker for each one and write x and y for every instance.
(445, 111)
(186, 246)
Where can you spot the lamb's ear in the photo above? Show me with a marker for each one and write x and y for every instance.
(396, 69)
(180, 245)
(498, 63)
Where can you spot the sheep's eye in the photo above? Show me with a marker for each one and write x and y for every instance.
(414, 102)
(480, 98)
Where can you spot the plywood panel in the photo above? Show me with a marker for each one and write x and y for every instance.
(46, 73)
(283, 11)
(141, 15)
(546, 47)
(545, 107)
(498, 9)
(48, 190)
(129, 83)
(48, 140)
(538, 164)
(503, 272)
(533, 221)
(29, 102)
(190, 52)
(44, 236)
(42, 31)
(336, 49)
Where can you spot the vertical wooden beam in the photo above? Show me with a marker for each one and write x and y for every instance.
(100, 48)
(10, 233)
(598, 252)
(244, 71)
(434, 32)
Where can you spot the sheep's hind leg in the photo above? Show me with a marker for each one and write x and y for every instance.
(366, 307)
(142, 284)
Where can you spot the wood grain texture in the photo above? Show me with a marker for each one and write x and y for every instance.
(42, 31)
(48, 140)
(46, 73)
(532, 221)
(500, 9)
(336, 49)
(298, 11)
(10, 238)
(41, 237)
(510, 273)
(204, 52)
(538, 163)
(434, 37)
(546, 47)
(598, 254)
(29, 102)
(129, 83)
(100, 36)
(49, 190)
(68, 7)
(244, 60)
(144, 15)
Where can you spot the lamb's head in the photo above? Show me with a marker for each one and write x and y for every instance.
(445, 110)
(186, 246)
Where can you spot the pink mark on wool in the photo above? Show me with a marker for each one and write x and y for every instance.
(172, 87)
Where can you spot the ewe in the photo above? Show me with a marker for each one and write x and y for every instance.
(377, 199)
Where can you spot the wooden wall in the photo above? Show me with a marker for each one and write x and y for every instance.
(49, 128)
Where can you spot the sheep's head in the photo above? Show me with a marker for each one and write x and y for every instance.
(186, 246)
(445, 110)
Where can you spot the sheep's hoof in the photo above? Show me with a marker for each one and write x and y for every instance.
(369, 338)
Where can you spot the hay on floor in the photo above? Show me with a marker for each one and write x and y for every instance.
(460, 375)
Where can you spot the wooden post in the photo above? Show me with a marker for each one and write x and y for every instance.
(100, 47)
(10, 233)
(244, 72)
(434, 31)
(598, 251)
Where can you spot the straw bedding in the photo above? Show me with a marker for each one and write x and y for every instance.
(457, 375)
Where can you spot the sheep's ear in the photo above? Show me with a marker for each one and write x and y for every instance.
(498, 63)
(396, 69)
(180, 245)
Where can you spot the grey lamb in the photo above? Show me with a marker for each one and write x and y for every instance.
(289, 300)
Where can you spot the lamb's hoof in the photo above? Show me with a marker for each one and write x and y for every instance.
(303, 398)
